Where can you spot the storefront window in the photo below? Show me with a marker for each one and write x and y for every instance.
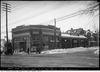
(35, 37)
(75, 41)
(45, 38)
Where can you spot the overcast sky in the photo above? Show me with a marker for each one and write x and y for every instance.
(39, 12)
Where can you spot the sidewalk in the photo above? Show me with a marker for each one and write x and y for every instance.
(20, 53)
(70, 50)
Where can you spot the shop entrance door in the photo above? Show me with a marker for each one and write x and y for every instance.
(22, 46)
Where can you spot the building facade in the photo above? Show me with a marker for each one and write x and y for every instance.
(71, 41)
(32, 36)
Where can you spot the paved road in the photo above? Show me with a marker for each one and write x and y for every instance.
(79, 59)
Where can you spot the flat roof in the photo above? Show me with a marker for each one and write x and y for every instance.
(72, 36)
(26, 27)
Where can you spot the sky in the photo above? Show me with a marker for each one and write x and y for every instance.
(41, 12)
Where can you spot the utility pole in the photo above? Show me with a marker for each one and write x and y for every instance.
(6, 8)
(55, 34)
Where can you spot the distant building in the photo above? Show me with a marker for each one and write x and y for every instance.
(2, 44)
(31, 36)
(79, 31)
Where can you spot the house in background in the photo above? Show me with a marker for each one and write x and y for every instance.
(77, 32)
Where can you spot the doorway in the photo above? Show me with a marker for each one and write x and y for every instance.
(22, 46)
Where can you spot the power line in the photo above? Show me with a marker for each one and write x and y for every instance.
(85, 11)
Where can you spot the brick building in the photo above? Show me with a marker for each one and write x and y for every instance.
(32, 36)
